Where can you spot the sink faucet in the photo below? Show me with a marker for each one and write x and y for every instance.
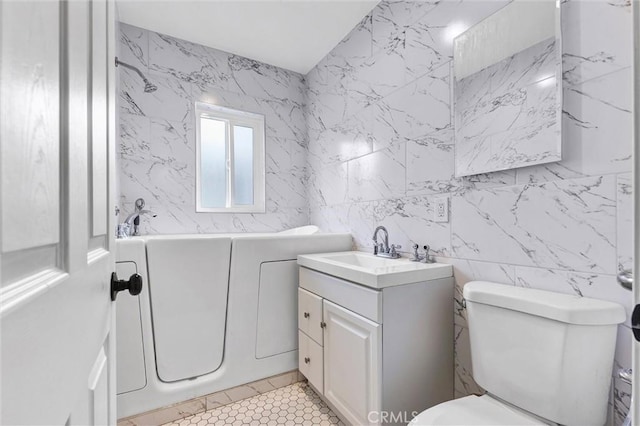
(385, 243)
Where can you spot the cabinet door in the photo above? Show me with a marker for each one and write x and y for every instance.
(352, 363)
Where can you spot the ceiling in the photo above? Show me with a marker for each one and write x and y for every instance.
(292, 34)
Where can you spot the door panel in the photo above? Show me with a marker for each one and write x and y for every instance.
(352, 363)
(30, 130)
(98, 144)
(635, 408)
(55, 309)
(188, 284)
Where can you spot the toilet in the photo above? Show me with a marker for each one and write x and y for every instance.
(543, 358)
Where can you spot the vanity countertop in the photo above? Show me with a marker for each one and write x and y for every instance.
(374, 271)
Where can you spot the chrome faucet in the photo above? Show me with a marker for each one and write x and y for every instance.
(133, 220)
(383, 248)
(130, 220)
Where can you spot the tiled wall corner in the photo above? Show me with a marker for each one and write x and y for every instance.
(156, 154)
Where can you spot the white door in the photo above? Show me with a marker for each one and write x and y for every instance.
(56, 243)
(352, 364)
(635, 408)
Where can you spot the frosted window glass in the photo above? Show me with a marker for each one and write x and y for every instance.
(243, 165)
(213, 163)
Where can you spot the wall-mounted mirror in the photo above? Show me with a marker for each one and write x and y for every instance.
(508, 89)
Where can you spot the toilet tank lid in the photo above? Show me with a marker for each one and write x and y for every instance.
(566, 308)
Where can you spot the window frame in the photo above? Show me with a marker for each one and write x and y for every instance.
(233, 118)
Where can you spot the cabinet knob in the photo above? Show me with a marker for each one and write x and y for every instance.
(307, 360)
(323, 324)
(306, 314)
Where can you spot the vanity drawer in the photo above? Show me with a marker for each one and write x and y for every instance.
(310, 361)
(354, 297)
(310, 315)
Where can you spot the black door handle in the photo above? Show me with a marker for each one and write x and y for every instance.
(635, 322)
(133, 284)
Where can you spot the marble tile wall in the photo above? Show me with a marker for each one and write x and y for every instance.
(156, 158)
(381, 149)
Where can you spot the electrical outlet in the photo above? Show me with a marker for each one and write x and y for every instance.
(441, 209)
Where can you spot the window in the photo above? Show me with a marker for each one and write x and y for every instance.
(229, 160)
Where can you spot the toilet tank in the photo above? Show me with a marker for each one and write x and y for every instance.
(548, 353)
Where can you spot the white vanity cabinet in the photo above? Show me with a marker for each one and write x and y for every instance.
(377, 356)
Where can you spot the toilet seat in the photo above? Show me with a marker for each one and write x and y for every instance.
(474, 410)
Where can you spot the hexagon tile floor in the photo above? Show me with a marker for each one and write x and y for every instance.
(296, 404)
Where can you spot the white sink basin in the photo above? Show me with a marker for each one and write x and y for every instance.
(373, 271)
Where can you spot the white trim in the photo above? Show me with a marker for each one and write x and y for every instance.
(234, 118)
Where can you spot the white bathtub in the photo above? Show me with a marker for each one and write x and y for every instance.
(216, 311)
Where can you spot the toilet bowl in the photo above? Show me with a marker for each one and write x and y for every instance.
(543, 358)
(475, 410)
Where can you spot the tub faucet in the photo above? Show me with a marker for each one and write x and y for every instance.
(124, 229)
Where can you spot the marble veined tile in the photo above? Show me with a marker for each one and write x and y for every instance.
(563, 224)
(172, 101)
(186, 61)
(261, 80)
(390, 17)
(463, 371)
(164, 168)
(129, 90)
(416, 110)
(621, 390)
(596, 38)
(329, 185)
(358, 43)
(597, 126)
(283, 118)
(409, 221)
(360, 217)
(625, 222)
(430, 164)
(370, 79)
(465, 271)
(488, 180)
(356, 219)
(134, 136)
(516, 123)
(277, 153)
(134, 46)
(536, 63)
(350, 139)
(325, 110)
(284, 189)
(379, 175)
(422, 33)
(401, 30)
(216, 96)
